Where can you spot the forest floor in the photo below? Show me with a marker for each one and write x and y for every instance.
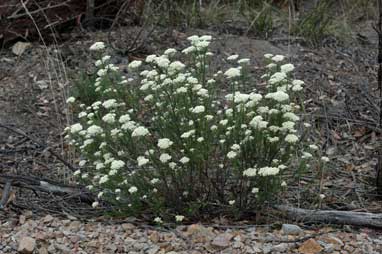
(341, 97)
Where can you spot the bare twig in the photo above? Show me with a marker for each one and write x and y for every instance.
(49, 149)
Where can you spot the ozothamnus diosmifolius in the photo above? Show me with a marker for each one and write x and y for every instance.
(166, 142)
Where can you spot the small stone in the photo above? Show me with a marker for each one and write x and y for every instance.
(222, 240)
(282, 247)
(52, 249)
(43, 250)
(154, 237)
(64, 249)
(22, 219)
(26, 245)
(291, 229)
(310, 246)
(153, 250)
(128, 226)
(48, 219)
(19, 47)
(75, 225)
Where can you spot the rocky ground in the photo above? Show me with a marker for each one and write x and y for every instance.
(50, 234)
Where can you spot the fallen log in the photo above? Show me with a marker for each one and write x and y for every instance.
(333, 216)
(44, 185)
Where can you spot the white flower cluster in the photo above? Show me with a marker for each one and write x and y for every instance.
(171, 123)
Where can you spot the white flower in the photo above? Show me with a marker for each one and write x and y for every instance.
(95, 204)
(104, 179)
(71, 100)
(170, 51)
(244, 61)
(250, 172)
(164, 143)
(202, 92)
(142, 161)
(325, 159)
(184, 160)
(291, 116)
(133, 189)
(179, 218)
(322, 196)
(101, 72)
(176, 66)
(134, 64)
(255, 190)
(188, 134)
(162, 61)
(117, 164)
(297, 82)
(77, 172)
(97, 46)
(76, 128)
(198, 109)
(200, 139)
(258, 122)
(124, 118)
(268, 56)
(277, 77)
(291, 138)
(188, 50)
(283, 184)
(106, 58)
(279, 96)
(306, 155)
(113, 172)
(223, 122)
(109, 118)
(158, 220)
(110, 103)
(313, 147)
(82, 163)
(140, 131)
(297, 88)
(286, 68)
(233, 57)
(94, 130)
(278, 58)
(154, 180)
(82, 114)
(231, 154)
(268, 171)
(235, 147)
(232, 73)
(150, 58)
(165, 157)
(181, 90)
(231, 202)
(98, 63)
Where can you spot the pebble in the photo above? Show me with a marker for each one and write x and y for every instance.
(65, 236)
(291, 229)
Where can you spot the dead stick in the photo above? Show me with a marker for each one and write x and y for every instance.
(333, 216)
(49, 149)
(5, 195)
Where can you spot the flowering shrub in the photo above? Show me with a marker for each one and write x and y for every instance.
(165, 140)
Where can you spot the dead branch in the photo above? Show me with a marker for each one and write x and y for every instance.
(44, 185)
(333, 216)
(49, 149)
